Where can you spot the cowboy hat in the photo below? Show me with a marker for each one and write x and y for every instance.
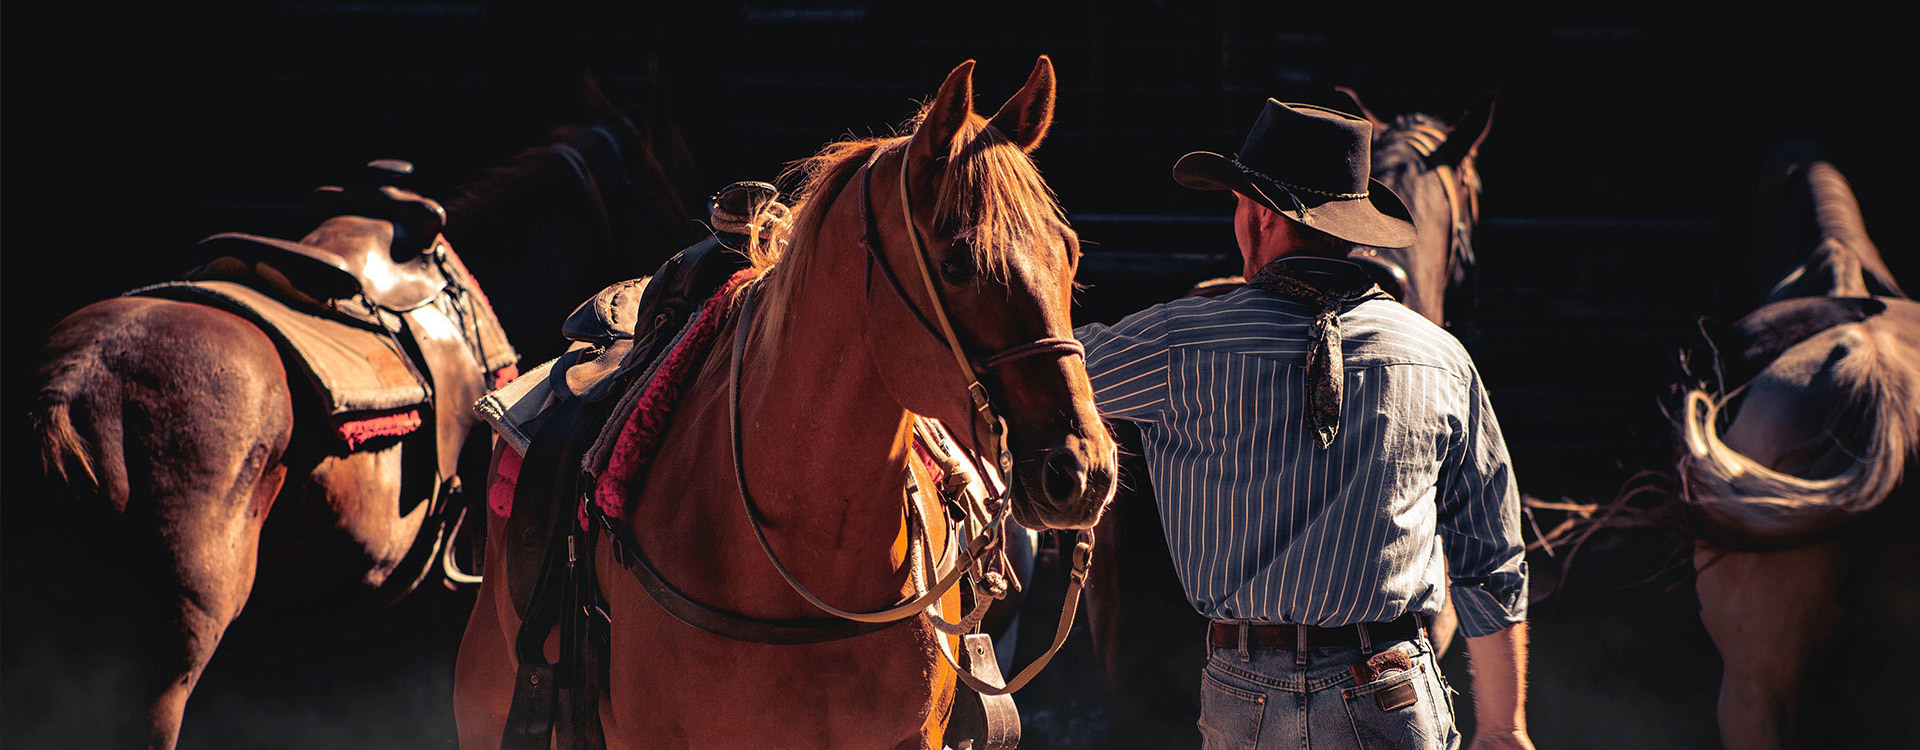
(1312, 165)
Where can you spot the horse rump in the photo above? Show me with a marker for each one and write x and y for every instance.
(1869, 432)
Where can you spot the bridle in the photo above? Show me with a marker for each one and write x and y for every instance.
(999, 504)
(1463, 205)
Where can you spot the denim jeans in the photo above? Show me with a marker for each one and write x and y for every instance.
(1270, 700)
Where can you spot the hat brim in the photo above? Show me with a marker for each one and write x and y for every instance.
(1379, 220)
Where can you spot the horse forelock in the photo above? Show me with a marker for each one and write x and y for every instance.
(993, 197)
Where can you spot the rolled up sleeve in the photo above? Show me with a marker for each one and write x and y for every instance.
(1479, 523)
(1127, 366)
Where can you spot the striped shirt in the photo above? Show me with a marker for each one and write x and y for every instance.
(1264, 525)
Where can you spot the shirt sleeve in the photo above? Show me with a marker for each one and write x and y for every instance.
(1127, 365)
(1480, 523)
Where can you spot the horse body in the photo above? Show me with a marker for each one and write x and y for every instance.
(1822, 442)
(205, 468)
(1148, 636)
(834, 367)
(183, 419)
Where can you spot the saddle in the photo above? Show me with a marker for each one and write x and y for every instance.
(564, 419)
(379, 248)
(364, 306)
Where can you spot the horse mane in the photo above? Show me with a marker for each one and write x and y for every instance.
(991, 195)
(1837, 212)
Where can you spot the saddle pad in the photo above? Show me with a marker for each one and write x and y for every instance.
(354, 369)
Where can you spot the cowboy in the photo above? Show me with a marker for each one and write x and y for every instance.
(1328, 467)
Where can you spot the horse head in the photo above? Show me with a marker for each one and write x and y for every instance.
(1430, 165)
(605, 198)
(981, 262)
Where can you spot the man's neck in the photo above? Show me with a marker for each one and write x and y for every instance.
(1260, 258)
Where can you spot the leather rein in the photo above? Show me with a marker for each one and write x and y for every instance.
(999, 505)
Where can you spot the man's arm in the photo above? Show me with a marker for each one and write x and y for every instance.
(1499, 662)
(1127, 366)
(1480, 530)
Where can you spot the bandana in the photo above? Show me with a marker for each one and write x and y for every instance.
(1326, 286)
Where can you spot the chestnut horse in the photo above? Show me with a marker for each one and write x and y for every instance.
(206, 475)
(1801, 501)
(1146, 636)
(836, 364)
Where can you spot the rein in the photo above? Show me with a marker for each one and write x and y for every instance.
(993, 532)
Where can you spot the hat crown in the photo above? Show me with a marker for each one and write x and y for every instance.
(1327, 152)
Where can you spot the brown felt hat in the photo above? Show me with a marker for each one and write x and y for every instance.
(1312, 165)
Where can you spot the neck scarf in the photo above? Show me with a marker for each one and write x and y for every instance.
(1327, 285)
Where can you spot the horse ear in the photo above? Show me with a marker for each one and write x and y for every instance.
(941, 125)
(1024, 119)
(1378, 124)
(590, 94)
(1467, 135)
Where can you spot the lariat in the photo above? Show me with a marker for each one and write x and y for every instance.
(1327, 288)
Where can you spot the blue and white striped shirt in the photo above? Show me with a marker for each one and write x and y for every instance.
(1264, 525)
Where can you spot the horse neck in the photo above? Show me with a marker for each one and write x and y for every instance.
(1426, 262)
(826, 441)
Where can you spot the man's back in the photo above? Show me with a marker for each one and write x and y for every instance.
(1262, 523)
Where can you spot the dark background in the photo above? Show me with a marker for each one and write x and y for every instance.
(1619, 179)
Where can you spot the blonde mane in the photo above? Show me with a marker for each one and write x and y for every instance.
(991, 196)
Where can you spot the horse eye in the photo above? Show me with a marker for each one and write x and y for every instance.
(957, 268)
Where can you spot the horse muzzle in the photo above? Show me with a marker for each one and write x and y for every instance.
(1067, 486)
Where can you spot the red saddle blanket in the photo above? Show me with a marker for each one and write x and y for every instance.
(642, 428)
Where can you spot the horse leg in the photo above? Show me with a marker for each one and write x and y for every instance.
(214, 564)
(182, 414)
(1767, 612)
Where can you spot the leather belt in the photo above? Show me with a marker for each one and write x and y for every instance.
(1282, 637)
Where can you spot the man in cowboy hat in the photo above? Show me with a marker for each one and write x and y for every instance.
(1328, 466)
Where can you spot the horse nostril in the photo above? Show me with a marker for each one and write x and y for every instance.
(1065, 476)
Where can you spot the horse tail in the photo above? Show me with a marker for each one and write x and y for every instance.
(63, 453)
(1740, 501)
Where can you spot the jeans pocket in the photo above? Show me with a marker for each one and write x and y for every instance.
(1230, 716)
(1443, 706)
(1384, 717)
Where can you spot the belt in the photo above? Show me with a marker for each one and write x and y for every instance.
(1288, 637)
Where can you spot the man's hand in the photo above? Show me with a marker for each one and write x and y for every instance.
(1499, 662)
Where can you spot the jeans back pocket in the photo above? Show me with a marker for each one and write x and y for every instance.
(1397, 710)
(1230, 717)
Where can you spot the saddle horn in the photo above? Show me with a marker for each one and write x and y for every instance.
(416, 219)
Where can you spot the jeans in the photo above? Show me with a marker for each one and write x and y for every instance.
(1271, 701)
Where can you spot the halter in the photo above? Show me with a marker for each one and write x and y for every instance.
(999, 505)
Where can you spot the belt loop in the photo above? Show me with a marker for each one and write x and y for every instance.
(1366, 639)
(1245, 632)
(1300, 645)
